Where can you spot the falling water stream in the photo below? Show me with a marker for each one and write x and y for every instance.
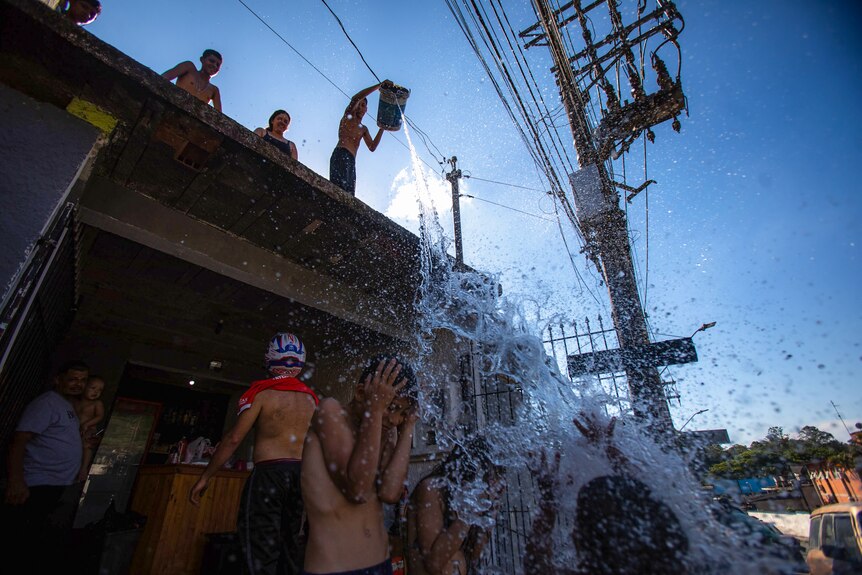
(507, 342)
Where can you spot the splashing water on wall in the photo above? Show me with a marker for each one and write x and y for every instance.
(508, 357)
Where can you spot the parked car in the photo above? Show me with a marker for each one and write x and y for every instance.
(765, 537)
(835, 539)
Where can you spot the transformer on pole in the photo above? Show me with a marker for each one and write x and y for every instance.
(597, 200)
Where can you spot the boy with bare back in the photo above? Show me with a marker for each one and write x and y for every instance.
(355, 460)
(91, 411)
(197, 82)
(351, 132)
(270, 513)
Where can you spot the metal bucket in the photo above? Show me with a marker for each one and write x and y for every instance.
(393, 100)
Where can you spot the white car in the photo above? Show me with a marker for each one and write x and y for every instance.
(835, 539)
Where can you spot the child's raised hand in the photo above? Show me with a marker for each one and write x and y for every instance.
(546, 475)
(602, 436)
(383, 384)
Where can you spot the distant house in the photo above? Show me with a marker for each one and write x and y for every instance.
(835, 484)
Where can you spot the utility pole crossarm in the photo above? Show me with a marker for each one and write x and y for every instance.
(597, 201)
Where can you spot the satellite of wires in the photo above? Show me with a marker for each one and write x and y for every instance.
(495, 43)
(604, 89)
(602, 52)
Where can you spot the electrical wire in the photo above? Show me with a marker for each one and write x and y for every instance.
(289, 45)
(574, 266)
(506, 184)
(546, 153)
(424, 137)
(422, 134)
(358, 51)
(506, 207)
(509, 61)
(542, 153)
(549, 155)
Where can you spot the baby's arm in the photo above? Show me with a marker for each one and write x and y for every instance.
(96, 415)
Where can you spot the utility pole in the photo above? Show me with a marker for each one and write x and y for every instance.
(453, 178)
(596, 198)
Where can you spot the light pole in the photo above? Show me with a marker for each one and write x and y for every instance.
(692, 417)
(704, 327)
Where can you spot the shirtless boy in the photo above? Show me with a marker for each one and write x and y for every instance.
(197, 82)
(91, 411)
(355, 460)
(351, 131)
(279, 409)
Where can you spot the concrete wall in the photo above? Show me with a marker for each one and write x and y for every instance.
(793, 524)
(41, 153)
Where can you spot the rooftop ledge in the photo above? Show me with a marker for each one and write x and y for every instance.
(166, 149)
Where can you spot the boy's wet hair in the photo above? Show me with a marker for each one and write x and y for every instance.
(211, 52)
(276, 113)
(622, 529)
(409, 390)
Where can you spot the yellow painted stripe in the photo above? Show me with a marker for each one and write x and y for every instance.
(92, 114)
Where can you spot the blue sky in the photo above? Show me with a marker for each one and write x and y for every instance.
(754, 222)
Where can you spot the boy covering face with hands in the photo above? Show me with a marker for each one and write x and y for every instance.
(355, 460)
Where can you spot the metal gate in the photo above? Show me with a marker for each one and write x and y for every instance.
(35, 313)
(495, 400)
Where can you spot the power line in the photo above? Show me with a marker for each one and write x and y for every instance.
(544, 142)
(572, 261)
(289, 45)
(422, 134)
(358, 51)
(506, 184)
(507, 207)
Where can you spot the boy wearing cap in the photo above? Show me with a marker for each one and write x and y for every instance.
(279, 409)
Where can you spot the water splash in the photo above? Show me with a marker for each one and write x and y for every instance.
(464, 309)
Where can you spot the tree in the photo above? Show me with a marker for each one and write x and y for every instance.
(773, 454)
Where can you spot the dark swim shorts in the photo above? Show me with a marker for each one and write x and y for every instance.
(342, 170)
(384, 568)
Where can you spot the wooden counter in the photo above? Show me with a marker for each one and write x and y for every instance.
(173, 539)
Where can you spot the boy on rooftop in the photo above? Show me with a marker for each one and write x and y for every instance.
(351, 133)
(197, 82)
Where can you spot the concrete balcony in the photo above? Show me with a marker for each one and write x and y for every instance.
(195, 238)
